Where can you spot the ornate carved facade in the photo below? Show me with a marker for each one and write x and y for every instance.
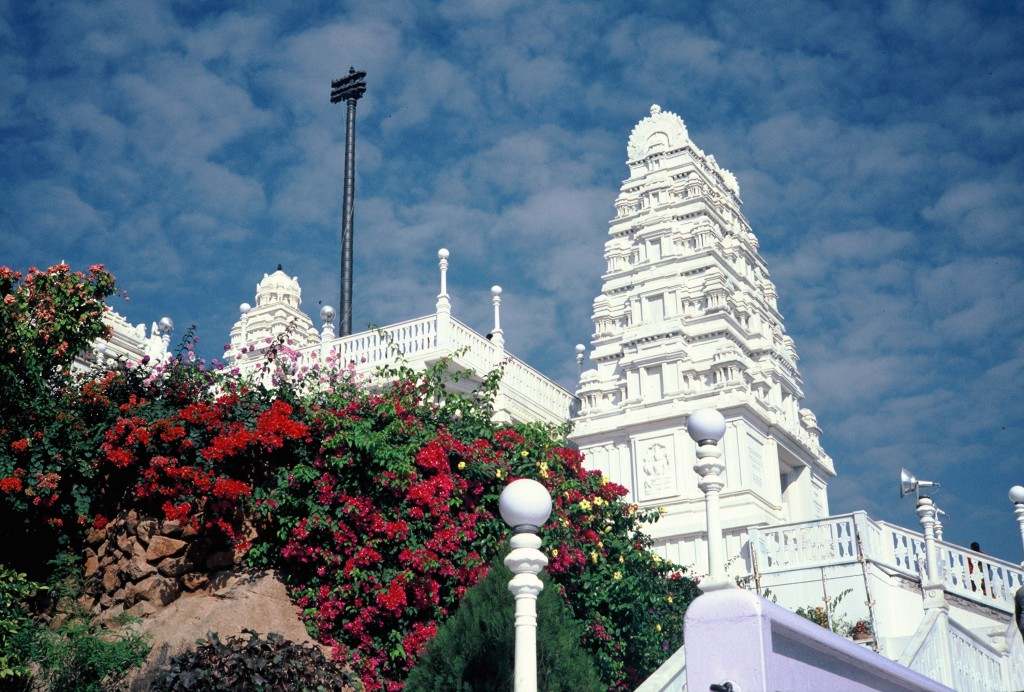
(687, 318)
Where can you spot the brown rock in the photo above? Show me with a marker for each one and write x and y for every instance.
(139, 551)
(256, 602)
(125, 544)
(220, 560)
(190, 531)
(174, 566)
(160, 547)
(145, 529)
(139, 569)
(120, 595)
(142, 609)
(194, 580)
(106, 600)
(110, 579)
(156, 589)
(131, 521)
(111, 613)
(170, 528)
(92, 564)
(96, 536)
(86, 602)
(102, 550)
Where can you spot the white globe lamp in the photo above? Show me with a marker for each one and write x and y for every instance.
(525, 505)
(706, 425)
(1017, 494)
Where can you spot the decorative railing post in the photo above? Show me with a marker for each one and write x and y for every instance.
(525, 505)
(707, 427)
(326, 330)
(1017, 498)
(931, 582)
(444, 304)
(497, 335)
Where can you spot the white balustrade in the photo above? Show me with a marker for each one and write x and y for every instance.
(833, 540)
(417, 342)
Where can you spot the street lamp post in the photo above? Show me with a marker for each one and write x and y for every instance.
(707, 427)
(525, 505)
(1017, 498)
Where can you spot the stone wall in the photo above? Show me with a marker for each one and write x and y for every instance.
(136, 565)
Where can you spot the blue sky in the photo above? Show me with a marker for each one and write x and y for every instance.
(878, 147)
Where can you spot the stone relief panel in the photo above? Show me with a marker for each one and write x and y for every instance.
(655, 471)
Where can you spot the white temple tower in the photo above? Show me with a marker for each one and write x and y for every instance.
(687, 319)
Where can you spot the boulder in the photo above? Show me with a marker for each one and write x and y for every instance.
(131, 521)
(111, 580)
(174, 566)
(139, 569)
(161, 546)
(92, 565)
(96, 536)
(259, 602)
(156, 589)
(194, 580)
(170, 527)
(145, 529)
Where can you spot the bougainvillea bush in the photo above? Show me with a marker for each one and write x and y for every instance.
(375, 500)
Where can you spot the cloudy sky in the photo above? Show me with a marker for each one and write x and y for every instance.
(879, 150)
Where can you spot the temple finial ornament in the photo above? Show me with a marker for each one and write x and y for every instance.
(655, 109)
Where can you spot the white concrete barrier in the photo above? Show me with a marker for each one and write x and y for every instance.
(737, 641)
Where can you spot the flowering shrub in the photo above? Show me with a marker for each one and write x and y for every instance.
(384, 529)
(375, 501)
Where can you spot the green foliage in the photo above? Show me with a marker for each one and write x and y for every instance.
(474, 651)
(75, 656)
(252, 662)
(826, 614)
(80, 656)
(16, 627)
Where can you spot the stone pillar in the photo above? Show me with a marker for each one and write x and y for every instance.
(444, 304)
(931, 583)
(497, 335)
(526, 561)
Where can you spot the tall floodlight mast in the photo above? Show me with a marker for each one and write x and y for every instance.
(349, 89)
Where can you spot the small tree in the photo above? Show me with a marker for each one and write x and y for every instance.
(475, 649)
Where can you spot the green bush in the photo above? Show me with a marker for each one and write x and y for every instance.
(251, 662)
(475, 649)
(80, 656)
(75, 656)
(16, 627)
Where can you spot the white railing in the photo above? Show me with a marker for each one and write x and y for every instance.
(799, 545)
(977, 666)
(373, 348)
(964, 572)
(834, 540)
(945, 650)
(422, 339)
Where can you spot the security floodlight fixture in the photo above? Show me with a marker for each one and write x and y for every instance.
(910, 484)
(351, 86)
(349, 89)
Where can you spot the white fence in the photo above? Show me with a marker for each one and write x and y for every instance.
(840, 539)
(524, 390)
